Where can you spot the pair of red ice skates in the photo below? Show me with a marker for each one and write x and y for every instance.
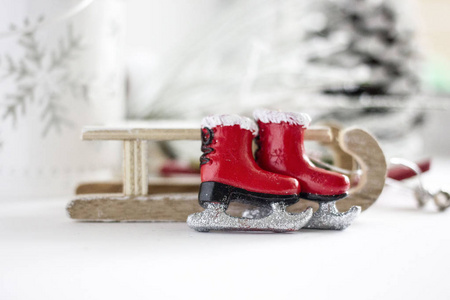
(281, 174)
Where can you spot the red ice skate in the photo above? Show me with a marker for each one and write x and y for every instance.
(281, 150)
(230, 173)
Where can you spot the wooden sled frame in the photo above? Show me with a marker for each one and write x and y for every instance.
(174, 201)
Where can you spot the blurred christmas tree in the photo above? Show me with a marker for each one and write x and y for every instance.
(379, 46)
(353, 61)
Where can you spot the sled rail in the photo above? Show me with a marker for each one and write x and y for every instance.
(135, 203)
(163, 131)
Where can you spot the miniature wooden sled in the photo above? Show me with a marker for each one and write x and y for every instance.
(169, 200)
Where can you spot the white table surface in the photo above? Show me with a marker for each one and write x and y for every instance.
(393, 251)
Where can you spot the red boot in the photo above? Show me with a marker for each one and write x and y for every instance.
(281, 150)
(228, 170)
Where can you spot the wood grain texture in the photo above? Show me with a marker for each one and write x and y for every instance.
(128, 168)
(135, 167)
(141, 167)
(365, 149)
(117, 207)
(176, 207)
(113, 187)
(341, 159)
(167, 134)
(169, 207)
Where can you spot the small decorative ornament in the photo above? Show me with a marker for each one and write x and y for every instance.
(441, 198)
(285, 132)
(280, 176)
(139, 198)
(229, 173)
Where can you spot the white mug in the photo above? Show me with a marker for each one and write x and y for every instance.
(61, 67)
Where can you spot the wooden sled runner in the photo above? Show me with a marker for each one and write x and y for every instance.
(168, 200)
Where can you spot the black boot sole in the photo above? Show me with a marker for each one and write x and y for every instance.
(322, 198)
(211, 191)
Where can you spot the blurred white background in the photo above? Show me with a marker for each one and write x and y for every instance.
(159, 31)
(160, 27)
(186, 59)
(392, 251)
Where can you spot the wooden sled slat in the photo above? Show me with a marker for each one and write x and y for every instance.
(119, 208)
(155, 208)
(171, 187)
(181, 201)
(157, 131)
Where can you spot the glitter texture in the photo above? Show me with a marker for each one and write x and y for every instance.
(328, 217)
(214, 217)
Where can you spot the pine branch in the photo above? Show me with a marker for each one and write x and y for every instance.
(18, 102)
(53, 116)
(32, 50)
(66, 49)
(10, 112)
(18, 71)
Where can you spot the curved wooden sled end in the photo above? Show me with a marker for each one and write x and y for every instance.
(354, 142)
(364, 148)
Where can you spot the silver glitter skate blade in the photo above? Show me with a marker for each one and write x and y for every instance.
(214, 217)
(329, 218)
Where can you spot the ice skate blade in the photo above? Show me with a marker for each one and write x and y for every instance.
(214, 217)
(327, 217)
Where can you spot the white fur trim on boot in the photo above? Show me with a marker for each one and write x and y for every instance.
(230, 120)
(273, 116)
